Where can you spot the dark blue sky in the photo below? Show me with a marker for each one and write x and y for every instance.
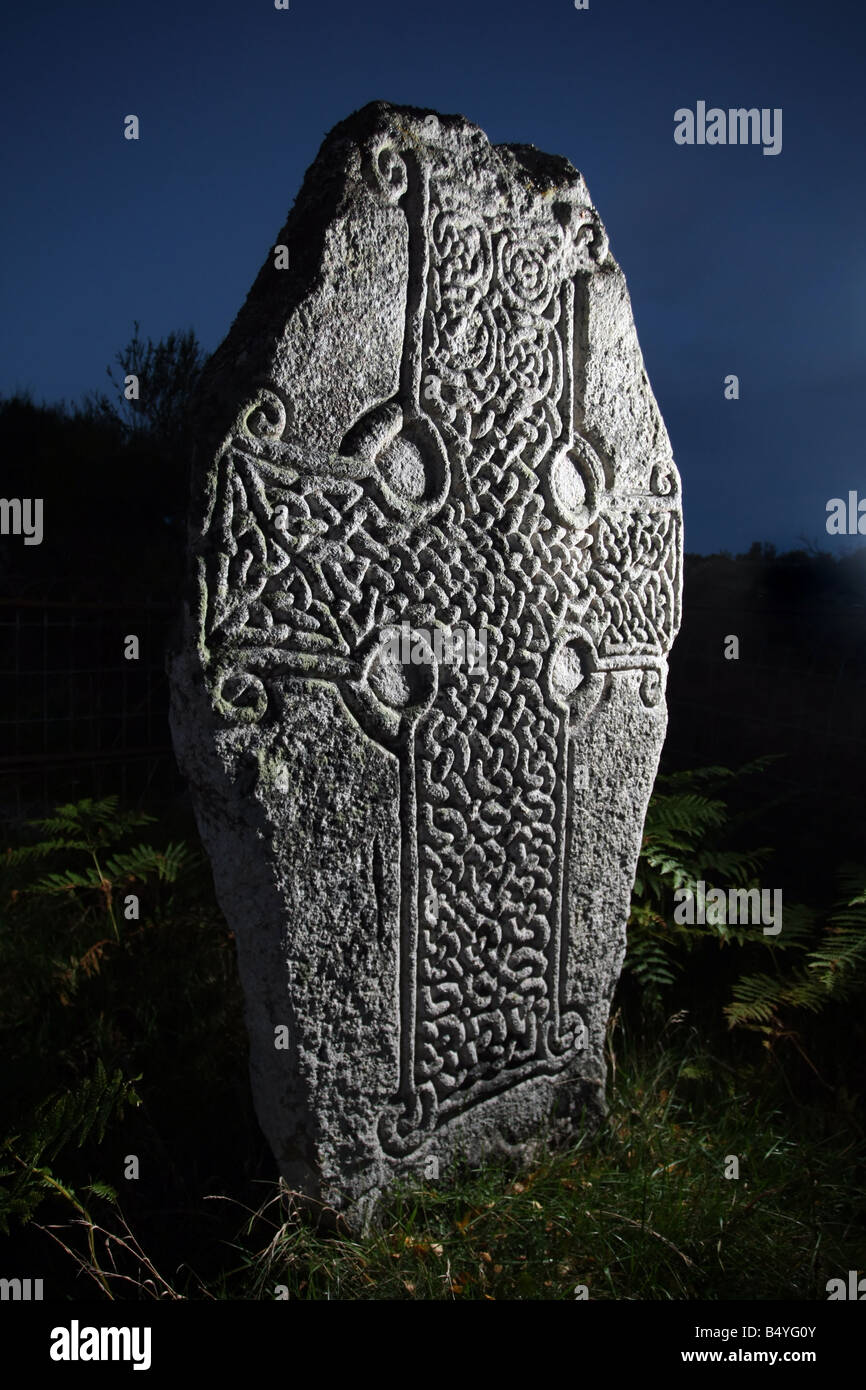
(737, 262)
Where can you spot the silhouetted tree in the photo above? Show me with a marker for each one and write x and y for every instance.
(113, 473)
(166, 373)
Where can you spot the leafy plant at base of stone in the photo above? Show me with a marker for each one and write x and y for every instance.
(815, 960)
(641, 1210)
(133, 1042)
(103, 946)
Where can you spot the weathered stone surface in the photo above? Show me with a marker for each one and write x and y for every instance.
(438, 416)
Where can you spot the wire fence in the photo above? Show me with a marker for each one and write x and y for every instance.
(77, 718)
(797, 690)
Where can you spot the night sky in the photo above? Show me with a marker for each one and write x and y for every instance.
(737, 262)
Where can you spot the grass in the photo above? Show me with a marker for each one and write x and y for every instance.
(641, 1210)
(130, 1041)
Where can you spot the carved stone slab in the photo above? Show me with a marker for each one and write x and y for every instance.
(435, 421)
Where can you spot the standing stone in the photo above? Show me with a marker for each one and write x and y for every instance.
(436, 540)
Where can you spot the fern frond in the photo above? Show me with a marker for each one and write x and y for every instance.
(62, 883)
(144, 862)
(28, 854)
(71, 1117)
(756, 999)
(687, 812)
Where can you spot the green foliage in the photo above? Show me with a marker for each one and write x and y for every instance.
(827, 970)
(685, 841)
(81, 987)
(133, 1042)
(92, 827)
(639, 1210)
(61, 1120)
(86, 825)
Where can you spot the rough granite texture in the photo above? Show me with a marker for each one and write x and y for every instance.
(437, 416)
